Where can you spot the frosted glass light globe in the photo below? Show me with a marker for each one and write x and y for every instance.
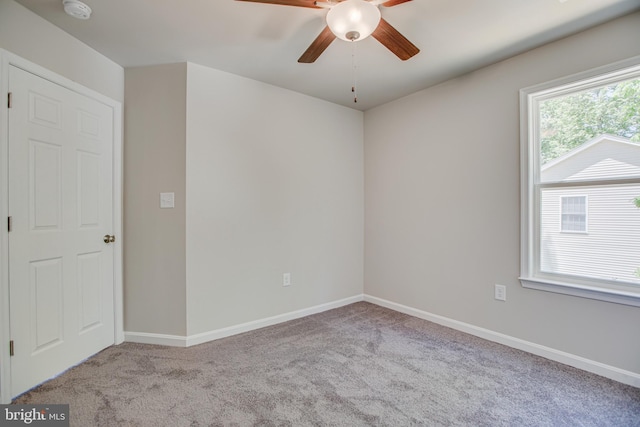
(353, 20)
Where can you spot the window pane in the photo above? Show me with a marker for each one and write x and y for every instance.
(610, 250)
(570, 122)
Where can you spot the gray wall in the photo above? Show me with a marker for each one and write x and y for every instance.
(442, 191)
(262, 188)
(275, 184)
(154, 162)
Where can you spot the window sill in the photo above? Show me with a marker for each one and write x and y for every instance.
(582, 290)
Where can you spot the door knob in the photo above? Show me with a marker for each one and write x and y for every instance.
(109, 239)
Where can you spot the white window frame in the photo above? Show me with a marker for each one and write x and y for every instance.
(586, 214)
(530, 274)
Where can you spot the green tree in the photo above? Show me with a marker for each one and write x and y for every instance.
(569, 121)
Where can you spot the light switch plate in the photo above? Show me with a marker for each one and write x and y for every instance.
(167, 200)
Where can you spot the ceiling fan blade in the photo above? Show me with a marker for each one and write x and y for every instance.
(394, 41)
(318, 46)
(390, 3)
(298, 3)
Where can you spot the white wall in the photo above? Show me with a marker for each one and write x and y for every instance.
(274, 185)
(442, 206)
(154, 162)
(31, 37)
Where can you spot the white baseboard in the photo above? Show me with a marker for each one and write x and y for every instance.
(157, 339)
(257, 324)
(611, 372)
(188, 341)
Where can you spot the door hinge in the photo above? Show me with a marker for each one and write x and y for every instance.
(9, 224)
(11, 348)
(9, 99)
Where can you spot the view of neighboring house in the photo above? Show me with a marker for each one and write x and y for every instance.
(598, 222)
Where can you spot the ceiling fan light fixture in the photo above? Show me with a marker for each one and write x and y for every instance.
(353, 20)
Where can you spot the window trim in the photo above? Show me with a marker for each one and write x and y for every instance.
(530, 275)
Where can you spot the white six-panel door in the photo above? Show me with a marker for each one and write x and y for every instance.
(61, 276)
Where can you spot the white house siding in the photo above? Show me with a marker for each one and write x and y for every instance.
(608, 250)
(610, 247)
(603, 157)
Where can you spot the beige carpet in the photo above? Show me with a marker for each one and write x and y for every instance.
(360, 365)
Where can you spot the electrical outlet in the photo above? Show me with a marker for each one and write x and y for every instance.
(501, 292)
(286, 279)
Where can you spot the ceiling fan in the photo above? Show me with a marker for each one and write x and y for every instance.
(352, 20)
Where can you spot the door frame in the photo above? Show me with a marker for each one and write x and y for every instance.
(8, 59)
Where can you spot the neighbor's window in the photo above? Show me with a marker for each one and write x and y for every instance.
(581, 184)
(573, 214)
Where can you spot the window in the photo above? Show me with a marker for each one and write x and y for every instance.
(573, 214)
(580, 144)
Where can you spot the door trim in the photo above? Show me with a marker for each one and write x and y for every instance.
(8, 59)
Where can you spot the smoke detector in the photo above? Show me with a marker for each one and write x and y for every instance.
(77, 9)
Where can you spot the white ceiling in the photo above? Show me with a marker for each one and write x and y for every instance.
(264, 42)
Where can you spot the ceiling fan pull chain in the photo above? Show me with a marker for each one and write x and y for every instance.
(355, 72)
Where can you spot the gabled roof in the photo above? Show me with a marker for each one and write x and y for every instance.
(603, 156)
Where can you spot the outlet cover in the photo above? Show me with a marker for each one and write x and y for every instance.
(286, 279)
(501, 293)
